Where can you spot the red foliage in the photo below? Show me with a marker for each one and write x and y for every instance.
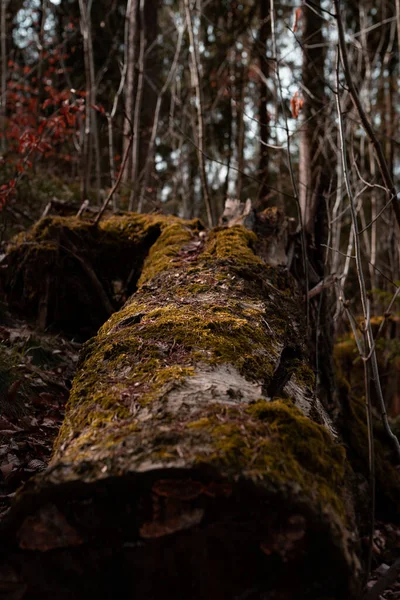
(40, 127)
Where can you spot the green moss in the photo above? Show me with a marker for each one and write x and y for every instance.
(166, 249)
(234, 245)
(77, 259)
(274, 442)
(304, 374)
(213, 334)
(140, 358)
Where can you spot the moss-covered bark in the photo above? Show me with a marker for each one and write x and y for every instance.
(353, 428)
(193, 453)
(70, 276)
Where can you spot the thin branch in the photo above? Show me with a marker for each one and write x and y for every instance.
(384, 582)
(117, 183)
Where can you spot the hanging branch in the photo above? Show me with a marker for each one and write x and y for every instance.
(110, 118)
(195, 77)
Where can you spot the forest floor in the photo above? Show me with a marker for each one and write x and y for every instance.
(36, 371)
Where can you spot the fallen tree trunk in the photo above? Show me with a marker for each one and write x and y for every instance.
(194, 460)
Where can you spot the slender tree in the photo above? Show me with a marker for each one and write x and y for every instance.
(91, 139)
(264, 97)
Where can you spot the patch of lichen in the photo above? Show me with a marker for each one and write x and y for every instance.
(275, 443)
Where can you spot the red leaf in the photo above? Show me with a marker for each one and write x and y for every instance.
(98, 107)
(297, 17)
(296, 104)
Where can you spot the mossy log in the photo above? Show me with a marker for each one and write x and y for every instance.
(194, 460)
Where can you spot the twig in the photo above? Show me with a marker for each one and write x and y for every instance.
(384, 582)
(371, 448)
(116, 184)
(321, 285)
(82, 208)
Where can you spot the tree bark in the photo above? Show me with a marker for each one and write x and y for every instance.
(131, 35)
(313, 179)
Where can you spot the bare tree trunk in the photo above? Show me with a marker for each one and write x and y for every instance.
(313, 125)
(195, 77)
(131, 32)
(150, 150)
(264, 93)
(134, 195)
(240, 129)
(152, 82)
(91, 141)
